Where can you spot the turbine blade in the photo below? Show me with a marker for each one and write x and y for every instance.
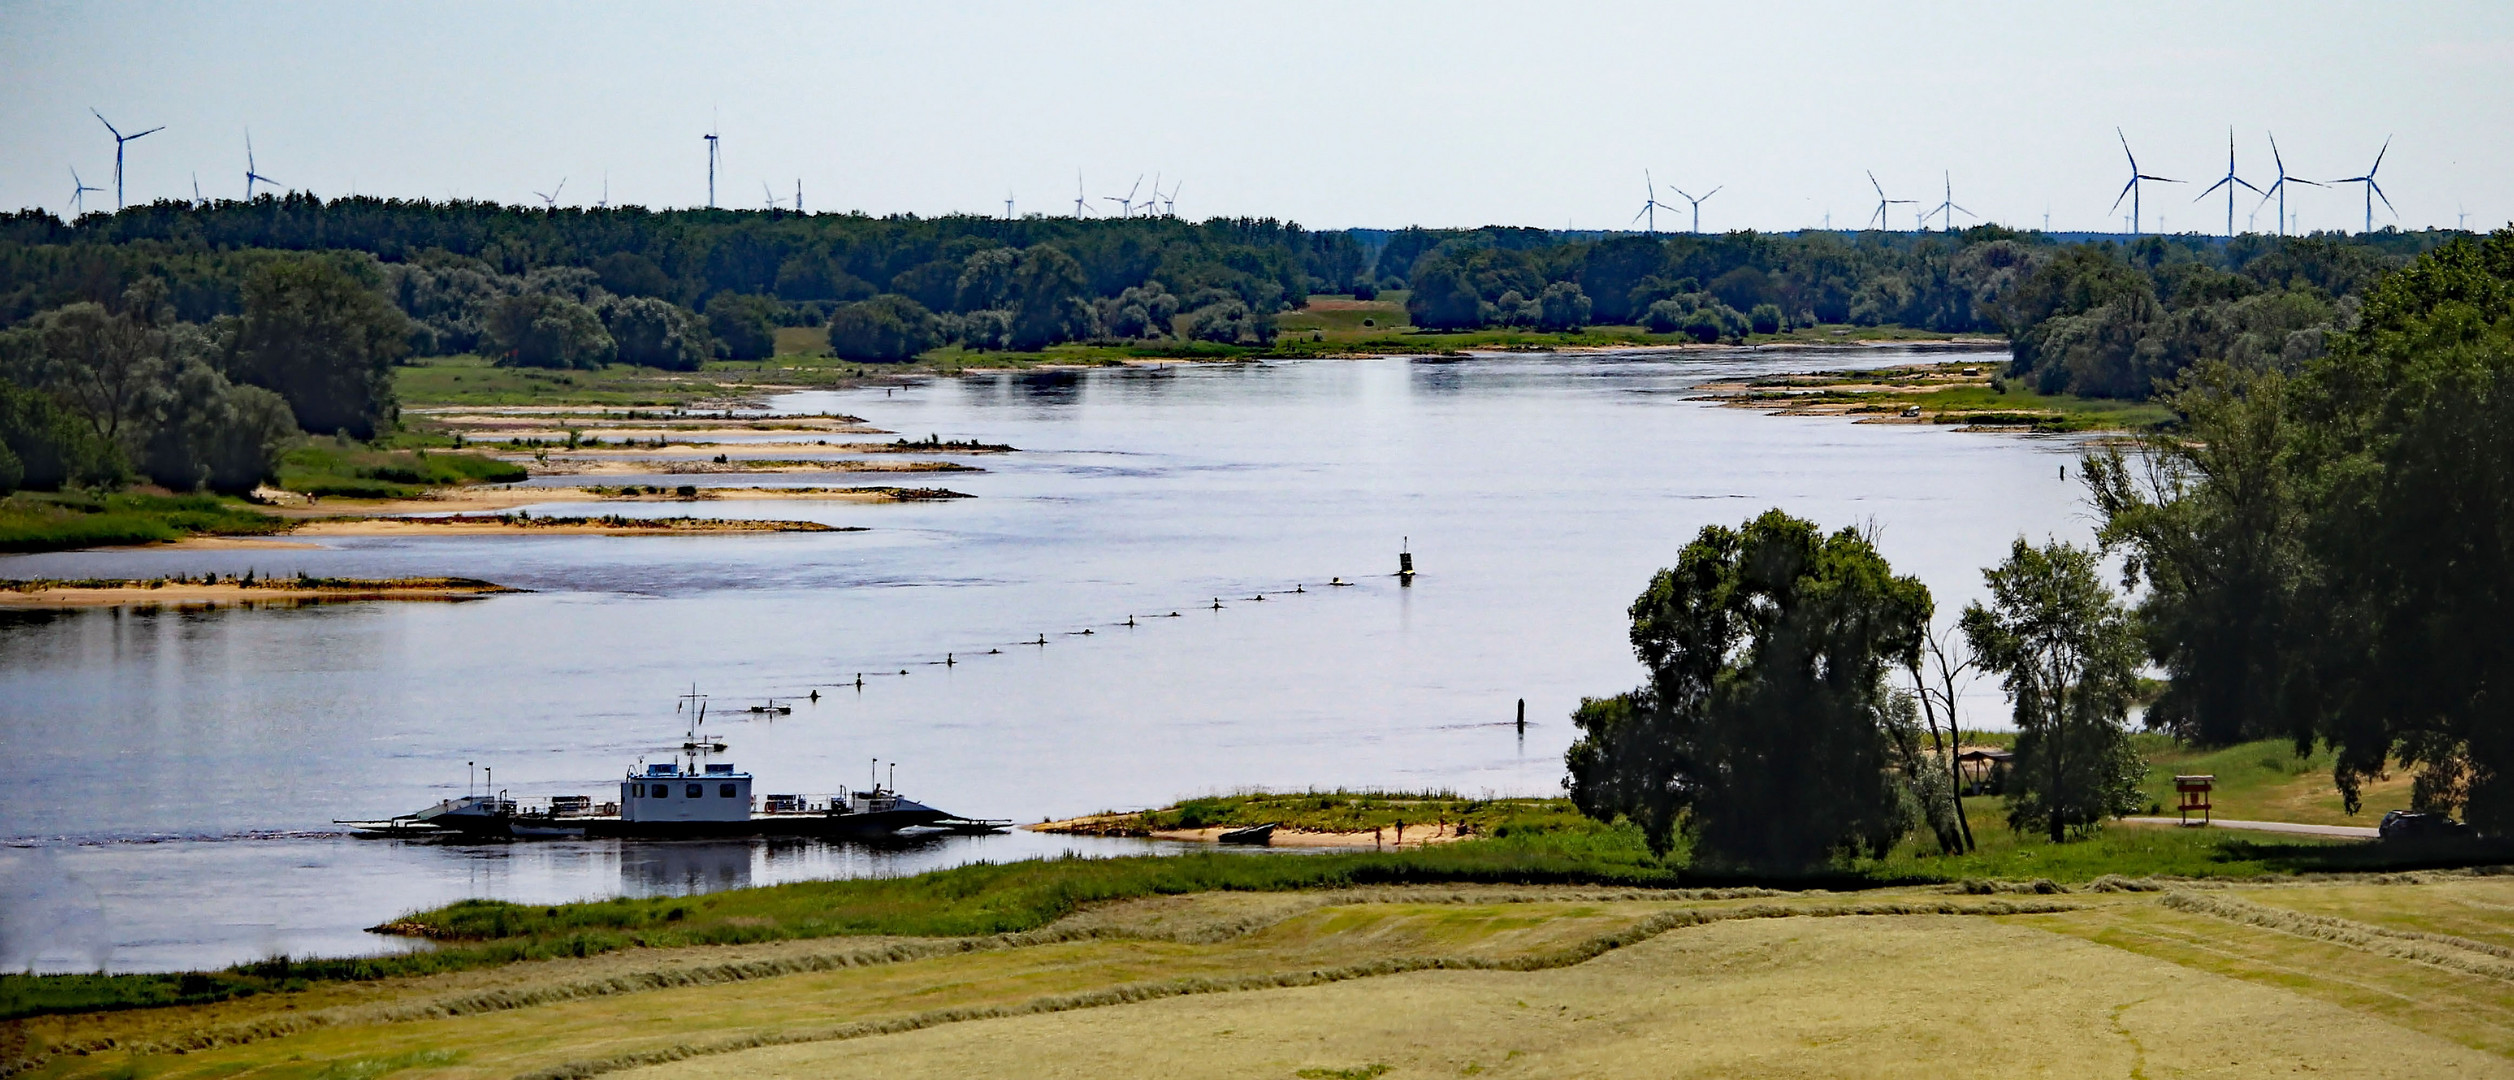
(2378, 156)
(2387, 200)
(2244, 182)
(1715, 191)
(151, 131)
(2125, 193)
(2212, 190)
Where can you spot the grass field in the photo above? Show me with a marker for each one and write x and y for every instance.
(326, 468)
(2401, 975)
(56, 521)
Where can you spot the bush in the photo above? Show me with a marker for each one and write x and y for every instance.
(1562, 306)
(322, 339)
(1765, 319)
(885, 329)
(1365, 290)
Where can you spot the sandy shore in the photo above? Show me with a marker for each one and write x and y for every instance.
(507, 525)
(136, 592)
(1415, 835)
(490, 500)
(559, 466)
(772, 448)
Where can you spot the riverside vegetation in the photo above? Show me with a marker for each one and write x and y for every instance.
(193, 347)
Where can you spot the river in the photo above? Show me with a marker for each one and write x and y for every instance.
(173, 773)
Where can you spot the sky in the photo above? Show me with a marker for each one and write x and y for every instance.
(1331, 115)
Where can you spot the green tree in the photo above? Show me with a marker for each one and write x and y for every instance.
(1442, 298)
(1050, 300)
(210, 433)
(1765, 726)
(885, 329)
(745, 326)
(2408, 455)
(656, 333)
(1562, 306)
(545, 331)
(108, 367)
(2068, 656)
(322, 340)
(45, 446)
(2210, 517)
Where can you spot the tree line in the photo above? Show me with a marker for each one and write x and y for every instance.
(674, 288)
(2322, 551)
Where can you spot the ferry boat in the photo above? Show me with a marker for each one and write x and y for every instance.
(688, 796)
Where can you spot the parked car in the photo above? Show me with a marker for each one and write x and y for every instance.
(2412, 825)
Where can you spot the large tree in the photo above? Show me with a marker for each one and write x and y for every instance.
(1764, 727)
(324, 341)
(2066, 652)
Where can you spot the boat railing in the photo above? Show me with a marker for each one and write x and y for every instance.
(821, 803)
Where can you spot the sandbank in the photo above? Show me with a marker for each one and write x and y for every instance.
(141, 592)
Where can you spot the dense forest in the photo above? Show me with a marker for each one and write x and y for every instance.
(162, 339)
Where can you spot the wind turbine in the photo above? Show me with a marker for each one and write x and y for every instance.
(78, 193)
(250, 175)
(1126, 203)
(1082, 205)
(798, 194)
(197, 200)
(711, 169)
(2130, 191)
(118, 140)
(604, 203)
(1008, 205)
(769, 197)
(2278, 187)
(1169, 202)
(1650, 206)
(2230, 182)
(550, 200)
(1949, 209)
(1882, 203)
(2374, 190)
(1697, 204)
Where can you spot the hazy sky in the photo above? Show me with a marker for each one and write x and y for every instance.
(1332, 115)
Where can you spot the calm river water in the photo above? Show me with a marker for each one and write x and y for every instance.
(172, 775)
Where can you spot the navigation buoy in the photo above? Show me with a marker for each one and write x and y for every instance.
(1405, 562)
(948, 661)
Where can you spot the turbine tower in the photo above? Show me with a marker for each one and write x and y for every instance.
(250, 174)
(1697, 204)
(78, 194)
(1169, 202)
(1649, 206)
(1882, 203)
(711, 169)
(2230, 182)
(119, 139)
(798, 194)
(2374, 190)
(2130, 190)
(1082, 205)
(1008, 205)
(2278, 187)
(1949, 209)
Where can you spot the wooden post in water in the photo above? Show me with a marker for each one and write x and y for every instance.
(1523, 716)
(1405, 562)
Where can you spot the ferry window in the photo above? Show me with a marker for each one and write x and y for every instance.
(724, 790)
(696, 790)
(660, 791)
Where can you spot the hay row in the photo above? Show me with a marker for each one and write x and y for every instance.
(2440, 950)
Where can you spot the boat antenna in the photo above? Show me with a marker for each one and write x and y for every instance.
(471, 781)
(874, 776)
(894, 776)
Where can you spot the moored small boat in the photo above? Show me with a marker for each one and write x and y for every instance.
(1253, 834)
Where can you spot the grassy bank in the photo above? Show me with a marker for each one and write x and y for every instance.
(58, 521)
(328, 468)
(1964, 392)
(1354, 811)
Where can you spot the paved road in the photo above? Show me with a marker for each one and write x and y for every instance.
(2352, 832)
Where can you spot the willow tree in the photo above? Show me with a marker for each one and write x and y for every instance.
(1763, 729)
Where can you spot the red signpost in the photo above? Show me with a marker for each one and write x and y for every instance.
(2194, 791)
